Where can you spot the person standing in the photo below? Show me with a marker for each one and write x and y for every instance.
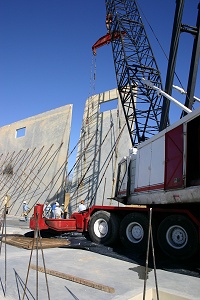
(7, 203)
(53, 210)
(58, 211)
(47, 210)
(82, 206)
(25, 211)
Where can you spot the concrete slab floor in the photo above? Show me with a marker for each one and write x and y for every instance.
(123, 277)
(126, 278)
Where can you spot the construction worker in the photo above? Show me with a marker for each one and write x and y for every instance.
(25, 211)
(58, 211)
(53, 210)
(82, 206)
(7, 202)
(47, 210)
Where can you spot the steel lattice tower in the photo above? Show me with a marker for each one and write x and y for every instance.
(133, 61)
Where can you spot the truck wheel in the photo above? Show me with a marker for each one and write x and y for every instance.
(104, 227)
(134, 232)
(178, 237)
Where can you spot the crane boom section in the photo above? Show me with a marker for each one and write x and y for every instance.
(134, 60)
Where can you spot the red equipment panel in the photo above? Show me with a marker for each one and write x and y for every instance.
(61, 224)
(174, 158)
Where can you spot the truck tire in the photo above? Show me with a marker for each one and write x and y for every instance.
(134, 232)
(104, 227)
(178, 237)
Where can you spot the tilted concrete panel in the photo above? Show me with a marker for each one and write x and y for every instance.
(33, 157)
(104, 140)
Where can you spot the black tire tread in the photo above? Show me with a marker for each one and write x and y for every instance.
(113, 224)
(190, 248)
(142, 219)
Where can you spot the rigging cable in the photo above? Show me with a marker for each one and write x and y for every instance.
(95, 155)
(92, 76)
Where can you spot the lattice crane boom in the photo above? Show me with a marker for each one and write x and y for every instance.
(133, 61)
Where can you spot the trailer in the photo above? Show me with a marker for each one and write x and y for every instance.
(163, 173)
(175, 228)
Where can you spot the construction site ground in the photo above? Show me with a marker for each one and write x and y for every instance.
(72, 267)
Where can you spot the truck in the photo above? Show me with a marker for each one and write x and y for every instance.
(161, 172)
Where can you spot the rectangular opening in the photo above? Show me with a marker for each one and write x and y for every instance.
(20, 132)
(108, 105)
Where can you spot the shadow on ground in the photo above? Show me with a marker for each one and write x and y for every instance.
(190, 267)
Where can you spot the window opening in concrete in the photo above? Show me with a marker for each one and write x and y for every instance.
(108, 105)
(20, 132)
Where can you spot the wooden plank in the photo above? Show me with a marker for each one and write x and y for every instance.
(76, 279)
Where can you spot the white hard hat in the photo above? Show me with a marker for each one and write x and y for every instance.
(24, 202)
(57, 204)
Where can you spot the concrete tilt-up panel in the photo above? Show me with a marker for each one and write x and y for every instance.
(33, 156)
(104, 140)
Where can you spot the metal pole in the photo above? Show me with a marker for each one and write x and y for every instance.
(154, 261)
(37, 259)
(172, 62)
(150, 84)
(47, 285)
(147, 256)
(5, 249)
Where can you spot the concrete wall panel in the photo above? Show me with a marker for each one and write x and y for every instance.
(32, 166)
(104, 140)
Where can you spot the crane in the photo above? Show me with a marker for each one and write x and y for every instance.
(133, 61)
(161, 173)
(146, 112)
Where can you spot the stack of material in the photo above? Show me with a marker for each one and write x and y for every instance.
(30, 243)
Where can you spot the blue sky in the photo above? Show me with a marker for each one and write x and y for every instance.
(46, 57)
